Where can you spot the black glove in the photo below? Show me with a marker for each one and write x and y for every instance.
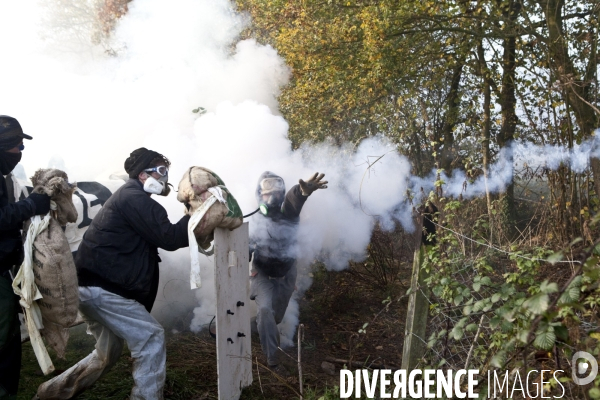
(312, 184)
(42, 203)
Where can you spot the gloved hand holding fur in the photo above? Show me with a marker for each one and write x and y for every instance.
(42, 203)
(312, 184)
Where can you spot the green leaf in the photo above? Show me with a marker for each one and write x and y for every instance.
(509, 315)
(458, 299)
(545, 340)
(498, 359)
(572, 293)
(562, 333)
(548, 288)
(457, 332)
(478, 306)
(488, 305)
(537, 304)
(471, 328)
(495, 322)
(431, 343)
(467, 310)
(506, 326)
(523, 336)
(496, 297)
(507, 291)
(594, 393)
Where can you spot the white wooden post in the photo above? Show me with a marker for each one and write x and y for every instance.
(234, 353)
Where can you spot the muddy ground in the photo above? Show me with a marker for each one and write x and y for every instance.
(334, 311)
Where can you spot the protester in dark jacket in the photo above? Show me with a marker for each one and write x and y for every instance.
(119, 251)
(12, 215)
(117, 266)
(275, 251)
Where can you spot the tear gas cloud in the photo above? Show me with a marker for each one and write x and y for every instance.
(88, 108)
(89, 105)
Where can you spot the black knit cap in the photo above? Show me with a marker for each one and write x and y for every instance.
(11, 133)
(139, 160)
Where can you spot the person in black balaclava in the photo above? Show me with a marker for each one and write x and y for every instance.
(274, 246)
(12, 215)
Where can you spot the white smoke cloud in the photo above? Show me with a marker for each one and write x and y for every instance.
(87, 109)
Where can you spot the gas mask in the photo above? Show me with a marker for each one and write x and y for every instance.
(157, 186)
(270, 194)
(271, 205)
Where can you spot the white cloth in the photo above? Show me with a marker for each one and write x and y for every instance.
(113, 320)
(217, 195)
(195, 280)
(24, 286)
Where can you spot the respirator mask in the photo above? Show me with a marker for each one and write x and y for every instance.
(272, 192)
(157, 186)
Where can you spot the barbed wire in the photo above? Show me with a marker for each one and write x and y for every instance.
(505, 251)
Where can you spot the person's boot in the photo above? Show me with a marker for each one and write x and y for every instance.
(280, 370)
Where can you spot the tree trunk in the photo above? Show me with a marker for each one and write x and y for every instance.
(577, 90)
(485, 143)
(453, 105)
(508, 103)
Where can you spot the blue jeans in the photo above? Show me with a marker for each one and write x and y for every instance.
(114, 320)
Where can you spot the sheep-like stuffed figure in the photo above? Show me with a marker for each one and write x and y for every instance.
(53, 265)
(199, 184)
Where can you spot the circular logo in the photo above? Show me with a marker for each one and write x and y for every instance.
(582, 367)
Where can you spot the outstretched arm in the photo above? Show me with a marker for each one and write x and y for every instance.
(312, 184)
(297, 195)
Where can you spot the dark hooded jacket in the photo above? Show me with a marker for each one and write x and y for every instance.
(12, 216)
(275, 244)
(119, 251)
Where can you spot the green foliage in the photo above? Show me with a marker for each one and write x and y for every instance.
(515, 311)
(418, 71)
